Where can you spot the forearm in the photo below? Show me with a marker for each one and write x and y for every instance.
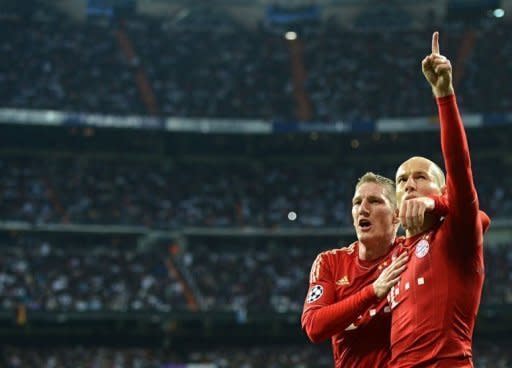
(324, 322)
(461, 189)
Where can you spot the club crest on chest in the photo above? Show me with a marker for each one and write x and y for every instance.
(422, 248)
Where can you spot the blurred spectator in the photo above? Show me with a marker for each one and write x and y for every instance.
(84, 276)
(253, 275)
(370, 81)
(273, 275)
(242, 275)
(486, 355)
(203, 64)
(483, 90)
(158, 195)
(49, 62)
(227, 72)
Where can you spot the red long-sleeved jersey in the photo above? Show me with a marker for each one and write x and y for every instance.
(434, 306)
(341, 304)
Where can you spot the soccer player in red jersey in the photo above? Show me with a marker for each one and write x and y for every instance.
(346, 298)
(434, 306)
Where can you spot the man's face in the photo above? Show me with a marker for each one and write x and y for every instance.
(374, 216)
(416, 177)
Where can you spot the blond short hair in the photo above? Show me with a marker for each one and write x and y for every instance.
(386, 183)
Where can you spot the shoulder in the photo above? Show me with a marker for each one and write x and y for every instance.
(330, 258)
(337, 253)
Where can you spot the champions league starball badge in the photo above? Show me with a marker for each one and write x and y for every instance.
(315, 293)
(422, 248)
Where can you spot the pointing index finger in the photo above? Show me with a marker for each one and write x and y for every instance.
(435, 43)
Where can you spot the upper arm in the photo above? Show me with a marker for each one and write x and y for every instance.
(321, 290)
(441, 209)
(462, 197)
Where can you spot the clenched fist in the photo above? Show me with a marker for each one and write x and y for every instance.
(412, 212)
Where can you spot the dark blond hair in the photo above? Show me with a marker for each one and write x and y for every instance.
(387, 184)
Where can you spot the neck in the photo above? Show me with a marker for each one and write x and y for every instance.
(368, 251)
(428, 223)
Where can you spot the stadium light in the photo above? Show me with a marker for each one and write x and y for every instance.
(290, 36)
(292, 216)
(498, 13)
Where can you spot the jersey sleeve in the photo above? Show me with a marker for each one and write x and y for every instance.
(323, 316)
(441, 210)
(440, 205)
(484, 220)
(463, 207)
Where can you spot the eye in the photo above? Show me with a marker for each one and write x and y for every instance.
(401, 179)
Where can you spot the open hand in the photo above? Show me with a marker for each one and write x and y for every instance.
(390, 276)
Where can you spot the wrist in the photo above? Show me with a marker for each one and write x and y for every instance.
(443, 92)
(375, 290)
(430, 204)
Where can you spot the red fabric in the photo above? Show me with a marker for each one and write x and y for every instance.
(434, 306)
(348, 311)
(441, 210)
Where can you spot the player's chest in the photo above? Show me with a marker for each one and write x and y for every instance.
(352, 280)
(423, 255)
(424, 269)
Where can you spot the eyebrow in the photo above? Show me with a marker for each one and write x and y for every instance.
(368, 197)
(421, 172)
(400, 177)
(413, 173)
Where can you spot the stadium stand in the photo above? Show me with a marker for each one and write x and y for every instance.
(487, 355)
(232, 72)
(128, 248)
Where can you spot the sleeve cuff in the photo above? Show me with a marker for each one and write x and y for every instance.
(368, 294)
(440, 205)
(446, 100)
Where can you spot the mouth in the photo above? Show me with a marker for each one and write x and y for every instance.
(410, 196)
(364, 224)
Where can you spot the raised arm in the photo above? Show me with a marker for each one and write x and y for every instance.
(462, 196)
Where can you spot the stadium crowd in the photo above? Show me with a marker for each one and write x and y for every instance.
(240, 73)
(487, 355)
(253, 275)
(366, 94)
(226, 274)
(161, 195)
(49, 62)
(78, 275)
(272, 276)
(235, 73)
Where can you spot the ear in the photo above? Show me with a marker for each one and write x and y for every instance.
(443, 190)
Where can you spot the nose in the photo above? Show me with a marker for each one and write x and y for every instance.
(410, 184)
(364, 208)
